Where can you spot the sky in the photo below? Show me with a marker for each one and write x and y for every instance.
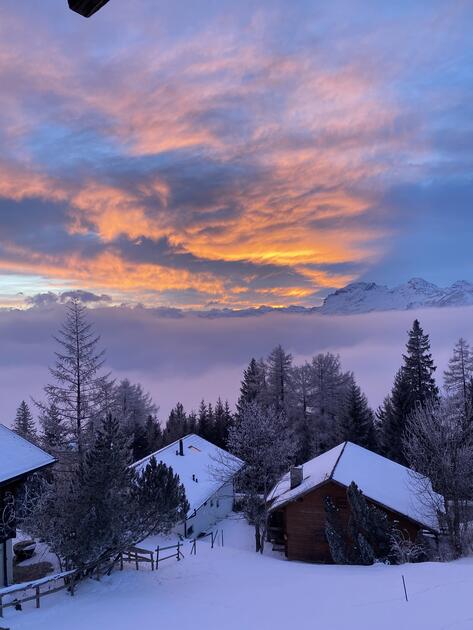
(233, 153)
(190, 155)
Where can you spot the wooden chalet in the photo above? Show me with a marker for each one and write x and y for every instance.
(297, 515)
(18, 459)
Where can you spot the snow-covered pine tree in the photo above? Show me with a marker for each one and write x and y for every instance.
(419, 367)
(79, 388)
(458, 377)
(279, 376)
(356, 420)
(24, 424)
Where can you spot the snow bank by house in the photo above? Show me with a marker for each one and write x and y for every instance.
(234, 588)
(18, 456)
(380, 479)
(202, 469)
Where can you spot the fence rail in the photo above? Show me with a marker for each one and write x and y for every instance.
(33, 591)
(137, 555)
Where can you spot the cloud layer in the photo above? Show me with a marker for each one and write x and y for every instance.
(233, 153)
(186, 357)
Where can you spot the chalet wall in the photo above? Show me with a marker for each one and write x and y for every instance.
(304, 523)
(216, 507)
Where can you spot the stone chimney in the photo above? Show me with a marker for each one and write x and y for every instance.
(181, 448)
(296, 475)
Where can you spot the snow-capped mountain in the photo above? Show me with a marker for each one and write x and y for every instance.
(363, 297)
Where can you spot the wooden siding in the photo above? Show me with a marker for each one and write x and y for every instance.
(304, 523)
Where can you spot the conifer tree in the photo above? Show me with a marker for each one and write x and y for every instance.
(204, 421)
(154, 435)
(335, 533)
(24, 424)
(419, 367)
(54, 432)
(78, 387)
(392, 418)
(253, 386)
(279, 379)
(176, 425)
(222, 419)
(458, 378)
(356, 421)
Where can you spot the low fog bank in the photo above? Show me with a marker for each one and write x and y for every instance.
(187, 358)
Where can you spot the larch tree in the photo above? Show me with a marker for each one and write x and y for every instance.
(279, 379)
(438, 444)
(79, 387)
(327, 394)
(458, 377)
(24, 424)
(259, 437)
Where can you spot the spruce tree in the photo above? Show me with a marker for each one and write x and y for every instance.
(176, 425)
(392, 418)
(356, 420)
(221, 423)
(419, 367)
(253, 386)
(55, 434)
(204, 421)
(24, 424)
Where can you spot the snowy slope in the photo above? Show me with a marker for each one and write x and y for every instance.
(380, 479)
(233, 588)
(18, 456)
(363, 297)
(202, 461)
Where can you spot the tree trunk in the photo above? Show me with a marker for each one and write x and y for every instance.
(257, 537)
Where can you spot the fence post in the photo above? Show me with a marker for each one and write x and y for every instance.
(37, 597)
(136, 561)
(152, 560)
(178, 550)
(121, 561)
(157, 557)
(222, 537)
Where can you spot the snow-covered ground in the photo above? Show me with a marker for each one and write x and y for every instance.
(234, 588)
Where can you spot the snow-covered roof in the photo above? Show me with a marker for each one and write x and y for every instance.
(18, 456)
(386, 482)
(208, 463)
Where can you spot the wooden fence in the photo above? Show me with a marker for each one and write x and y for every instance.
(137, 555)
(33, 590)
